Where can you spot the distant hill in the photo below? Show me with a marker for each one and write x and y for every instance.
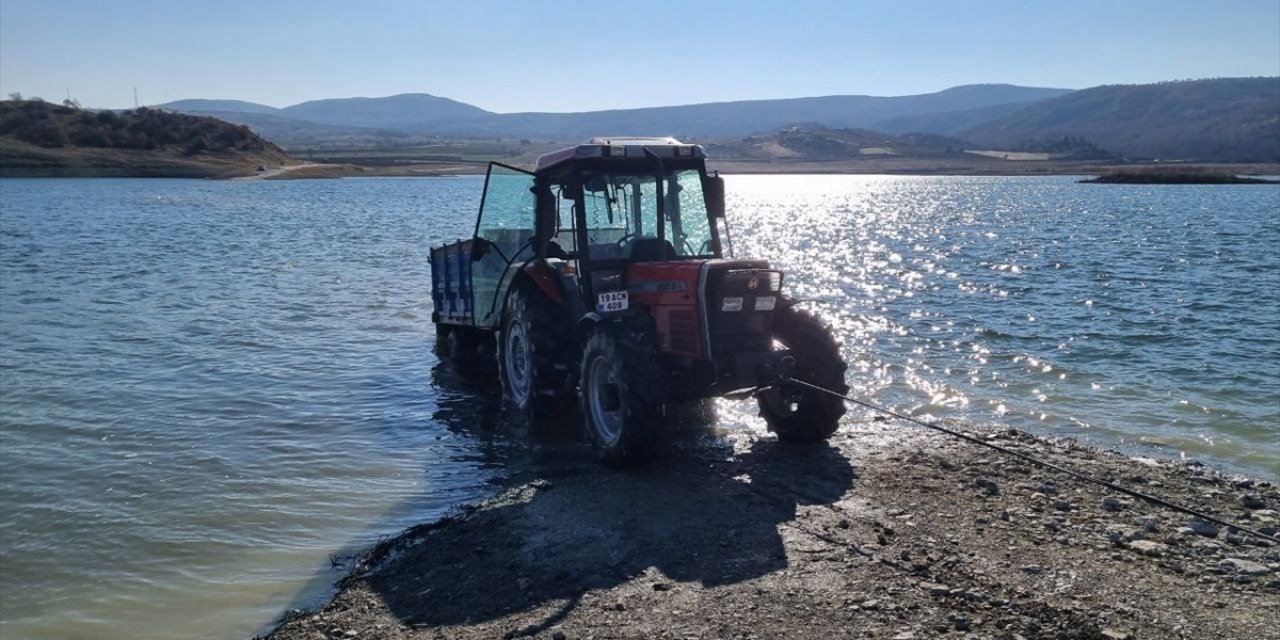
(209, 106)
(307, 133)
(42, 139)
(1221, 120)
(409, 111)
(948, 122)
(747, 116)
(812, 142)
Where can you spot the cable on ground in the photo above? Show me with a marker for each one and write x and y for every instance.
(1048, 465)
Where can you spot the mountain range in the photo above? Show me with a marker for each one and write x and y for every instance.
(428, 114)
(1226, 119)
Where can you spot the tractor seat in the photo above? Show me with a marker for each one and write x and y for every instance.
(651, 249)
(606, 251)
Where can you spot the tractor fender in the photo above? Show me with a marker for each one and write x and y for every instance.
(630, 317)
(545, 278)
(585, 324)
(533, 274)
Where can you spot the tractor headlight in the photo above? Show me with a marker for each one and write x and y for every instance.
(766, 303)
(733, 303)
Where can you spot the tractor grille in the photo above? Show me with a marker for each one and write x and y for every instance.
(742, 331)
(684, 329)
(743, 325)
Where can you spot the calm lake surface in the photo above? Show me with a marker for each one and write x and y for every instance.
(207, 389)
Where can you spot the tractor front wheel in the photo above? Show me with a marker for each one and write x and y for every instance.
(799, 414)
(622, 395)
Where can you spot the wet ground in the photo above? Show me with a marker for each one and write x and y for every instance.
(888, 531)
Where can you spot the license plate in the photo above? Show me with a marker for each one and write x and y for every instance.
(611, 301)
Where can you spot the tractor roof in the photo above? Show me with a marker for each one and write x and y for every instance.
(621, 147)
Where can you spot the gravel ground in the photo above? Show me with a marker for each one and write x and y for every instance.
(886, 532)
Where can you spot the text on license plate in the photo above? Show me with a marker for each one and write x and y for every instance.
(612, 301)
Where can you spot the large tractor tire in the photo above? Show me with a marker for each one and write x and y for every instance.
(533, 355)
(797, 413)
(622, 395)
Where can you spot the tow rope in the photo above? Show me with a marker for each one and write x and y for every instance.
(1048, 465)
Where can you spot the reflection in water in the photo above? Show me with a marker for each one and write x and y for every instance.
(469, 403)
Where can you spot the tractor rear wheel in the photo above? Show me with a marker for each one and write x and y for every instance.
(532, 352)
(796, 413)
(622, 395)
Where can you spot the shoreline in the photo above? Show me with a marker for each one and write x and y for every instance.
(889, 531)
(308, 170)
(741, 167)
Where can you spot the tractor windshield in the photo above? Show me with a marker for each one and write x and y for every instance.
(622, 216)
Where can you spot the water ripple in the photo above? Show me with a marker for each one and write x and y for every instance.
(210, 387)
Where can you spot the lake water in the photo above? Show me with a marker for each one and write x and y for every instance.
(207, 389)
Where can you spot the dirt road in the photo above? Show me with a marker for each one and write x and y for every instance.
(273, 171)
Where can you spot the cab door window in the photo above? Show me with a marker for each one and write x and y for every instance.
(504, 237)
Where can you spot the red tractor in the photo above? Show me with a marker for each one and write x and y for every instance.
(601, 277)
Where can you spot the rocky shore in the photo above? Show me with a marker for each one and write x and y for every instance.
(889, 531)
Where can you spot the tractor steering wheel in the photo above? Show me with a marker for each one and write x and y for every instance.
(626, 237)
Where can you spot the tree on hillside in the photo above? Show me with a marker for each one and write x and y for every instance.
(47, 133)
(52, 125)
(196, 146)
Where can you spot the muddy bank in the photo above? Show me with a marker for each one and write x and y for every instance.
(888, 532)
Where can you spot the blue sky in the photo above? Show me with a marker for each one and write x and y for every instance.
(568, 55)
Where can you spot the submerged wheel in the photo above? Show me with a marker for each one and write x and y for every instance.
(532, 353)
(622, 395)
(796, 413)
(444, 339)
(457, 341)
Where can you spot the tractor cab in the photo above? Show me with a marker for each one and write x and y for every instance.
(642, 200)
(602, 276)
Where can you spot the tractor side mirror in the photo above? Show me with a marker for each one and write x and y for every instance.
(713, 188)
